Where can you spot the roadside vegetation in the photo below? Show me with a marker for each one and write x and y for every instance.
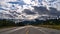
(7, 23)
(50, 26)
(51, 23)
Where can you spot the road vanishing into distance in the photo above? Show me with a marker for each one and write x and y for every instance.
(29, 30)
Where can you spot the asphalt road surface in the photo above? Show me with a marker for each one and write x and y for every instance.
(29, 30)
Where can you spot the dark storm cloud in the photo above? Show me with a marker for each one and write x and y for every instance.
(40, 10)
(18, 2)
(15, 12)
(6, 15)
(2, 9)
(9, 15)
(43, 10)
(29, 12)
(54, 12)
(15, 15)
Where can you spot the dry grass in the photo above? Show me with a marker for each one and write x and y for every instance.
(51, 26)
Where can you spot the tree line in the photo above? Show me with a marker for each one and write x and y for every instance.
(41, 22)
(5, 22)
(9, 22)
(47, 22)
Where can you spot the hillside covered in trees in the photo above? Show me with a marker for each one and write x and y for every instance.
(7, 22)
(42, 22)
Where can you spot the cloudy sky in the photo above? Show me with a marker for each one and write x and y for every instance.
(29, 9)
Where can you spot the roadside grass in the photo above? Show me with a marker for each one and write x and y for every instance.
(2, 27)
(6, 27)
(51, 26)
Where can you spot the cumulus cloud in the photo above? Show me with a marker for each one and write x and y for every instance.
(29, 9)
(40, 10)
(29, 12)
(45, 13)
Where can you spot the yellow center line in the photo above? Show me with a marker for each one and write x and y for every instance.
(27, 32)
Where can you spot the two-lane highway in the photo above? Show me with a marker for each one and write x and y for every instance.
(30, 30)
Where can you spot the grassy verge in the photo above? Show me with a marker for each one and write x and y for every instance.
(51, 26)
(2, 27)
(7, 27)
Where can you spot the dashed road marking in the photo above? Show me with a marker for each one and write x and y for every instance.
(27, 32)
